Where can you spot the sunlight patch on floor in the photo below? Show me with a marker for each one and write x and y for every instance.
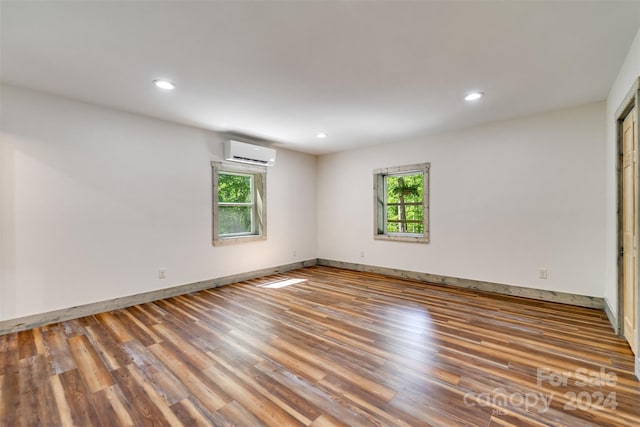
(282, 283)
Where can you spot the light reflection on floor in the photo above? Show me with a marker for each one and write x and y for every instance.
(413, 325)
(282, 283)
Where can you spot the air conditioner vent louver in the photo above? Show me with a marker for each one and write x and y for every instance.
(246, 159)
(242, 152)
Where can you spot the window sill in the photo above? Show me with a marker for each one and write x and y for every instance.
(225, 241)
(400, 238)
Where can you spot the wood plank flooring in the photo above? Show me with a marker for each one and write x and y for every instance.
(339, 349)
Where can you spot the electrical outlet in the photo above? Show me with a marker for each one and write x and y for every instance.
(162, 273)
(542, 273)
(362, 254)
(295, 254)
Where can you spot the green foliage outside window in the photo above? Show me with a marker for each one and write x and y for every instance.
(234, 188)
(235, 203)
(404, 203)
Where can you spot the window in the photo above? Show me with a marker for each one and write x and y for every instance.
(239, 203)
(402, 203)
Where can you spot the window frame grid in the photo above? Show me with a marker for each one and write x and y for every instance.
(386, 204)
(251, 204)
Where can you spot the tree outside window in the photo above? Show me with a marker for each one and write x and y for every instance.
(402, 203)
(405, 204)
(235, 204)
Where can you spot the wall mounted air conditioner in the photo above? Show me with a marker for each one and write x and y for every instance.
(242, 152)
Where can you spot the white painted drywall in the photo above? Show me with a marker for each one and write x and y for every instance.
(95, 201)
(628, 74)
(507, 199)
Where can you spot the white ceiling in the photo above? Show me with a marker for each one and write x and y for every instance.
(364, 72)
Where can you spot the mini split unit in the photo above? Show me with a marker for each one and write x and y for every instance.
(242, 152)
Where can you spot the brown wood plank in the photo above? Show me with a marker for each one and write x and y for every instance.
(64, 411)
(240, 415)
(189, 415)
(91, 368)
(114, 326)
(261, 407)
(301, 409)
(26, 344)
(9, 352)
(57, 350)
(208, 393)
(110, 408)
(136, 328)
(143, 405)
(155, 373)
(192, 413)
(110, 351)
(10, 402)
(78, 399)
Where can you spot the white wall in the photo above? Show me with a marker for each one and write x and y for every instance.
(626, 77)
(506, 199)
(95, 201)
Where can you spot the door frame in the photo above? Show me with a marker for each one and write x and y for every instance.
(631, 100)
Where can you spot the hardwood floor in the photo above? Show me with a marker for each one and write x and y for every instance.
(339, 349)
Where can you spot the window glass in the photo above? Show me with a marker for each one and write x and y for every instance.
(239, 203)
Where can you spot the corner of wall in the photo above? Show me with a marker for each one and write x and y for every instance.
(613, 319)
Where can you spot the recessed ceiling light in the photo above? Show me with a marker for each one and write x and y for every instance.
(472, 96)
(164, 84)
(321, 135)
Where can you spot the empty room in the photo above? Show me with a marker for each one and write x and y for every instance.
(319, 213)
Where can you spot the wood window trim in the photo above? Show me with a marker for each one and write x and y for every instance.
(379, 202)
(260, 183)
